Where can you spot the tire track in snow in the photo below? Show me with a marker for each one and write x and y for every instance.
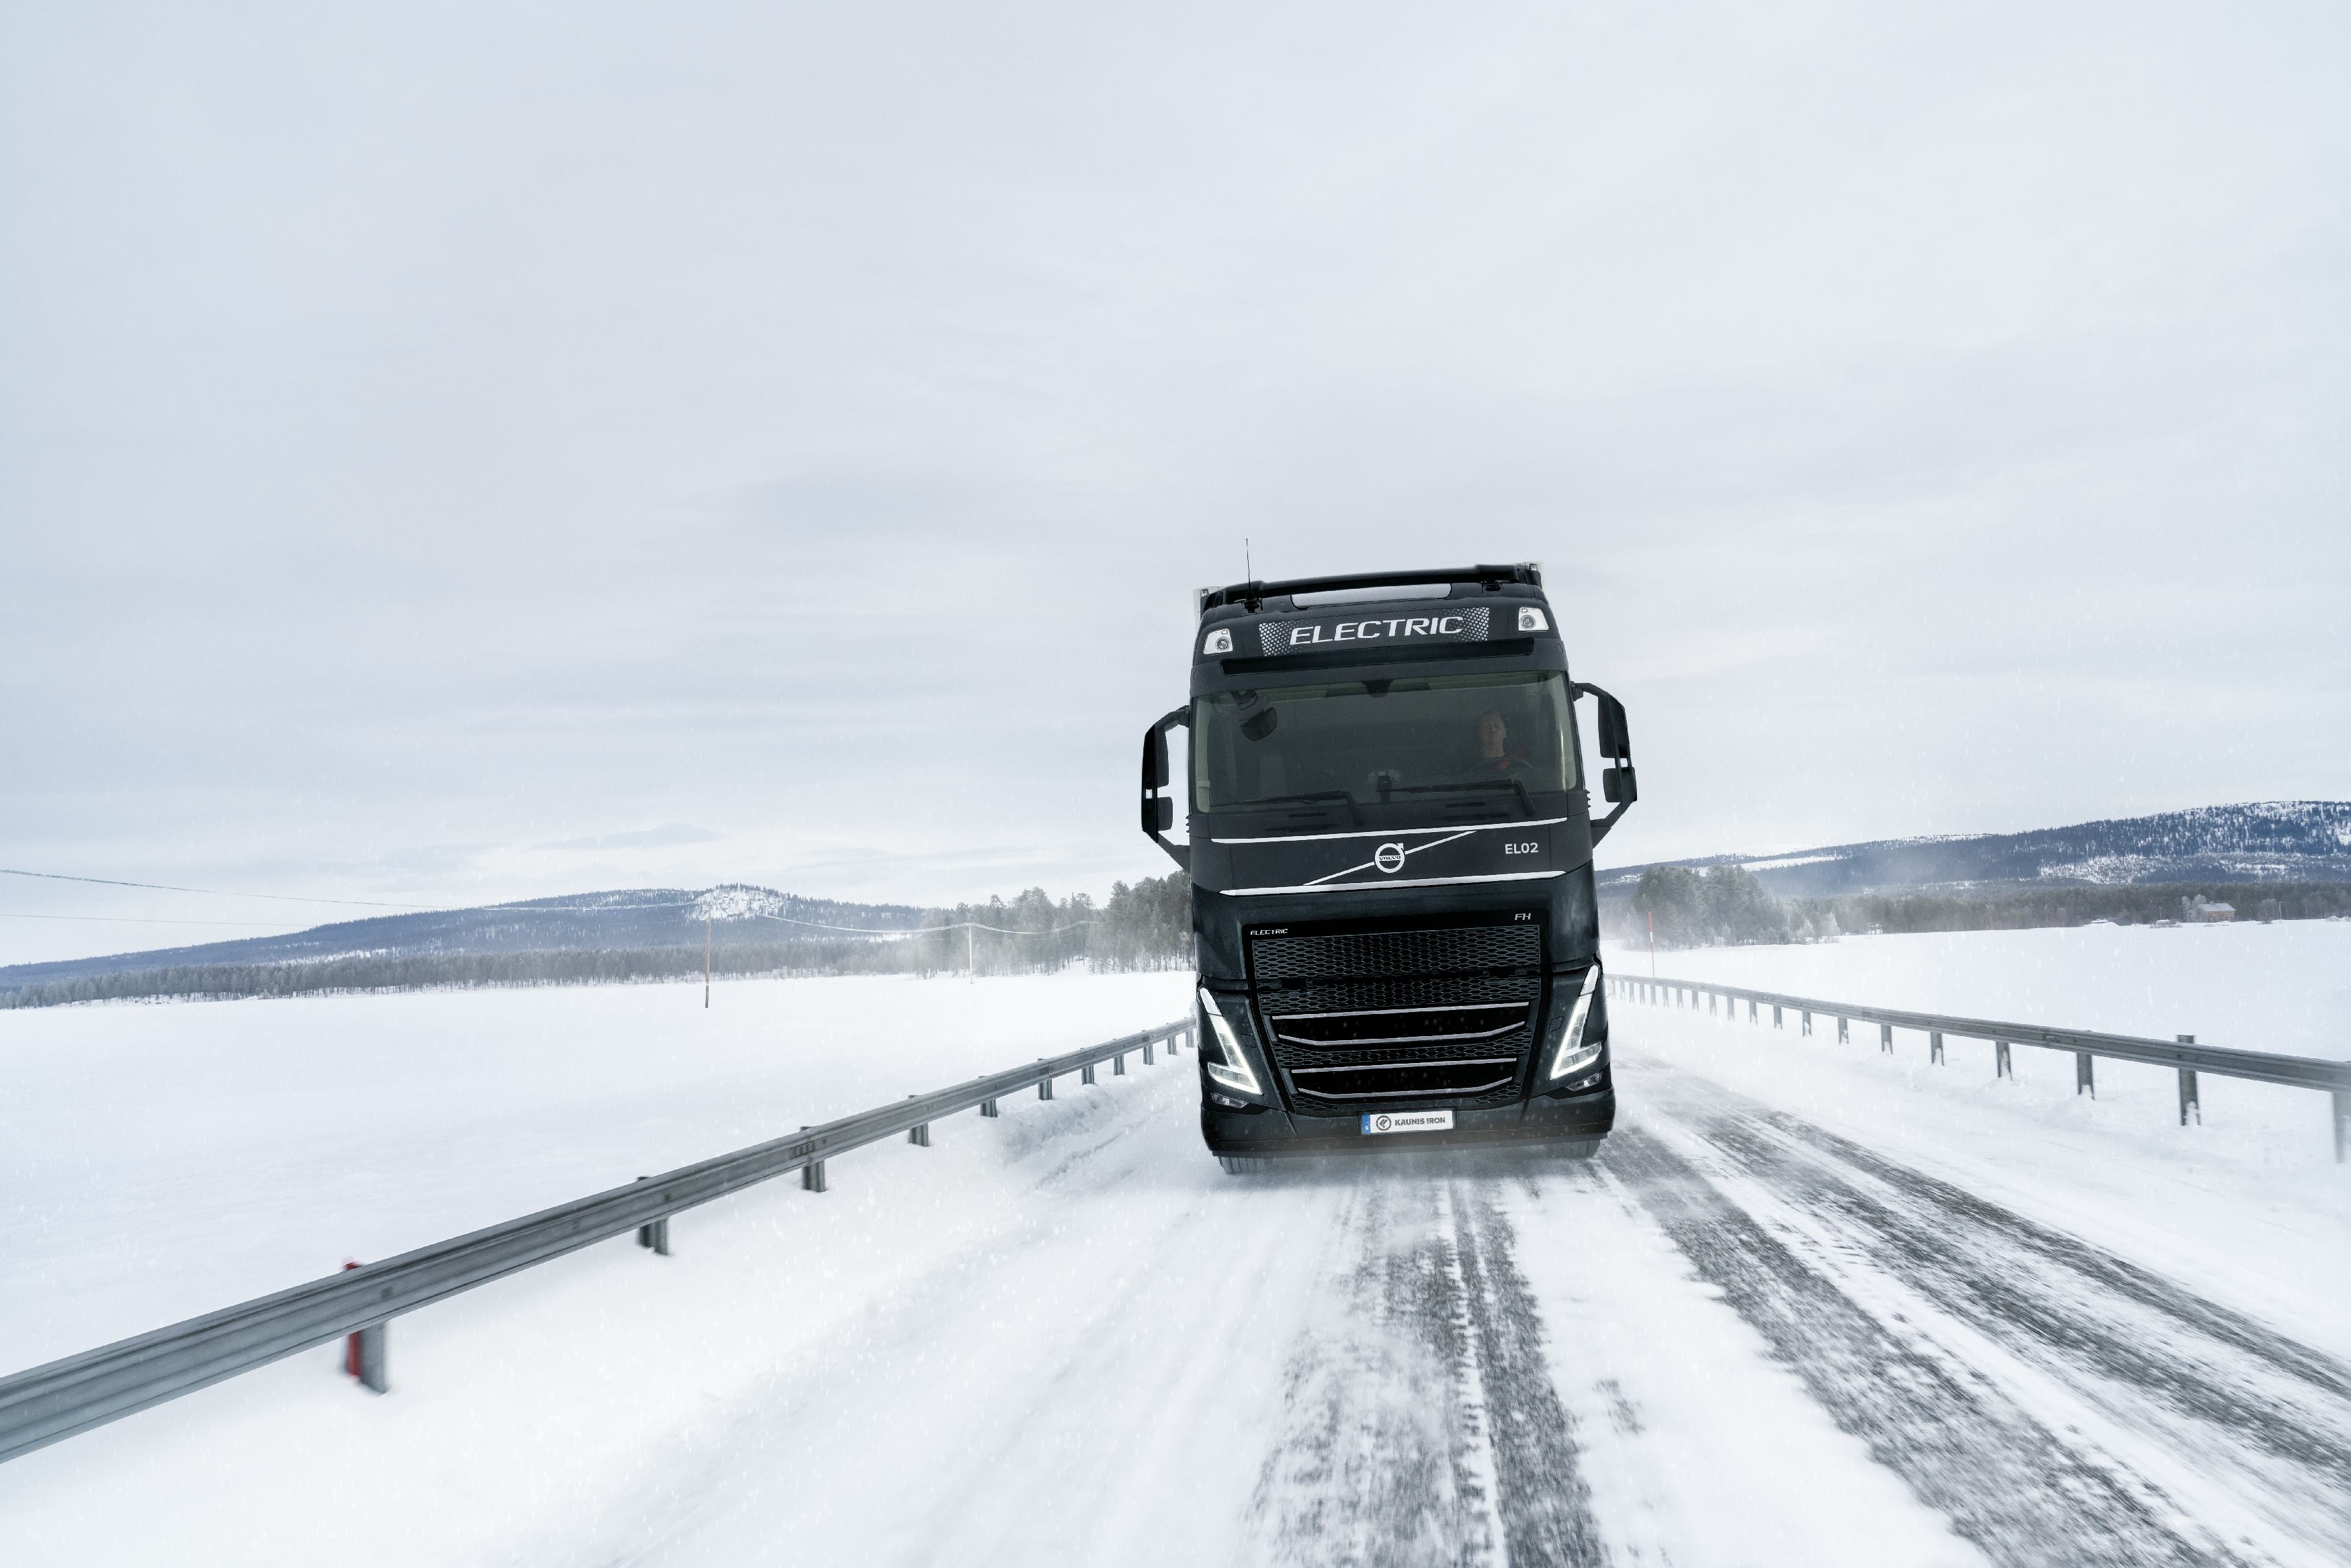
(2148, 1350)
(1424, 1428)
(1546, 1505)
(2005, 1481)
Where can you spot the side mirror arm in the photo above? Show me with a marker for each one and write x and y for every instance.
(1617, 748)
(1158, 797)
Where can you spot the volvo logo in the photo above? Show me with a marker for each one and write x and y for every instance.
(1389, 857)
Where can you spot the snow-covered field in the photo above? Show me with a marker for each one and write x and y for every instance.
(1811, 1305)
(2282, 987)
(165, 1159)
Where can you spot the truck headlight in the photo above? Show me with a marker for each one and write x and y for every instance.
(1235, 1068)
(1573, 1054)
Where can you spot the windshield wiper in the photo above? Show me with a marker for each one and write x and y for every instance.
(1312, 796)
(1525, 799)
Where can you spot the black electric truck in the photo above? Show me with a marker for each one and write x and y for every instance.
(1390, 854)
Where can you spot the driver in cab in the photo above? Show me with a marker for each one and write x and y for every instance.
(1495, 754)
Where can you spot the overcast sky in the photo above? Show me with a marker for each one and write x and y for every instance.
(474, 451)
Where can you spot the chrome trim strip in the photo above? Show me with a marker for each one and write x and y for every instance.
(1402, 1066)
(1391, 1012)
(1460, 1093)
(1390, 832)
(1407, 882)
(1401, 1039)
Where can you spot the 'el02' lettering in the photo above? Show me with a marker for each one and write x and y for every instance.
(1522, 849)
(1378, 630)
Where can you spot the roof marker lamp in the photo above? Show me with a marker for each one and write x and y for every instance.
(1234, 1069)
(1573, 1055)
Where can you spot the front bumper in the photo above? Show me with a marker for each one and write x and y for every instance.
(1273, 1132)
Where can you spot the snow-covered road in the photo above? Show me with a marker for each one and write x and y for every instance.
(1761, 1328)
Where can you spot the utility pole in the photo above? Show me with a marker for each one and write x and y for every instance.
(705, 961)
(970, 952)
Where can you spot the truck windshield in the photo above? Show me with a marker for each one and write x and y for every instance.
(1379, 739)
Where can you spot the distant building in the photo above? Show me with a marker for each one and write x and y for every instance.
(2200, 908)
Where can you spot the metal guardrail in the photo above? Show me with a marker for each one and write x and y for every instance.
(2182, 1055)
(44, 1404)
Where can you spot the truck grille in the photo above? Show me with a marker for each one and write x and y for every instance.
(1355, 1018)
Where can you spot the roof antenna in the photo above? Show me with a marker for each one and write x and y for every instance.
(1248, 571)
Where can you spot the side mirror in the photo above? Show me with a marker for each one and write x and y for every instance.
(1617, 785)
(1159, 807)
(1615, 733)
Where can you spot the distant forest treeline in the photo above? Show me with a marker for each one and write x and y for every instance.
(1728, 905)
(1148, 925)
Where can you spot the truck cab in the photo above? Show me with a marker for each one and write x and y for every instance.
(1389, 846)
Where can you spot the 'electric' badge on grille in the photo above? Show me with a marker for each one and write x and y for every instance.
(1407, 1121)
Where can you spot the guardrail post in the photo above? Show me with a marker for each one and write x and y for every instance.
(364, 1358)
(654, 1233)
(2190, 1105)
(2001, 1067)
(1118, 1065)
(1775, 1015)
(987, 1108)
(363, 1349)
(1886, 1038)
(1147, 1053)
(2085, 1076)
(812, 1176)
(1751, 1016)
(2342, 1123)
(1935, 1046)
(1086, 1074)
(1844, 1031)
(1807, 1024)
(1044, 1088)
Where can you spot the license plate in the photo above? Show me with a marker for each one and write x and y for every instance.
(1376, 1122)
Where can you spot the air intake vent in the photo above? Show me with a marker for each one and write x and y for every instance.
(1357, 1018)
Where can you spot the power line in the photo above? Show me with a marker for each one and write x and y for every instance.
(303, 898)
(161, 887)
(211, 892)
(142, 920)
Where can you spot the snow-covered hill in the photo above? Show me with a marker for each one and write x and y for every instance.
(580, 922)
